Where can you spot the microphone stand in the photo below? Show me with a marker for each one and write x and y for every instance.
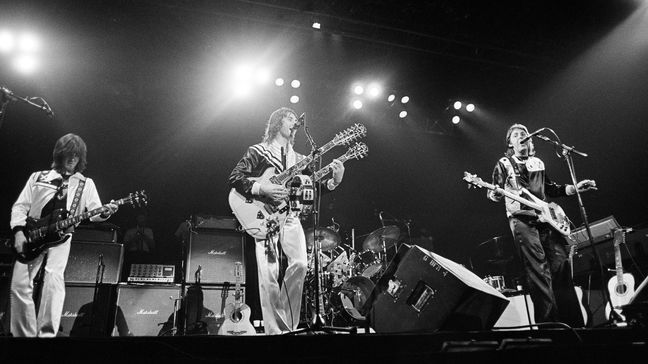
(317, 324)
(7, 96)
(566, 153)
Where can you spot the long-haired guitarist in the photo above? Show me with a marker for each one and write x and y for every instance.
(280, 297)
(544, 250)
(45, 193)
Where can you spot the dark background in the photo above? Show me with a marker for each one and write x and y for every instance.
(145, 84)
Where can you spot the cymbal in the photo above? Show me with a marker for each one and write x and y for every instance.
(388, 234)
(328, 238)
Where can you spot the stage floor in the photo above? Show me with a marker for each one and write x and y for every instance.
(609, 345)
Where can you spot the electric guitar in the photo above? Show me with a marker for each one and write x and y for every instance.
(49, 230)
(300, 198)
(550, 213)
(259, 216)
(237, 314)
(622, 285)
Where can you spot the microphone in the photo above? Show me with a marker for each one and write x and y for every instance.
(526, 138)
(300, 121)
(382, 222)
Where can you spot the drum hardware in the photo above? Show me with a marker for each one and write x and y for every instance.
(496, 282)
(328, 238)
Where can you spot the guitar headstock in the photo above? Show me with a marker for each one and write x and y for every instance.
(358, 151)
(473, 180)
(137, 199)
(351, 133)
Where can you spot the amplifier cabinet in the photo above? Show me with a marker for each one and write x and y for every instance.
(145, 310)
(85, 314)
(205, 306)
(84, 260)
(215, 252)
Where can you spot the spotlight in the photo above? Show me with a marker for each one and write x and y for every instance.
(279, 82)
(316, 25)
(457, 105)
(358, 90)
(357, 104)
(405, 99)
(242, 90)
(295, 83)
(402, 114)
(374, 90)
(391, 98)
(25, 64)
(242, 72)
(262, 75)
(28, 43)
(294, 99)
(470, 107)
(6, 41)
(456, 119)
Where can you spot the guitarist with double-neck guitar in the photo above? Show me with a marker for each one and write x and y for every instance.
(539, 228)
(46, 199)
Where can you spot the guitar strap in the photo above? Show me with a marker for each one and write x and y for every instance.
(76, 200)
(516, 172)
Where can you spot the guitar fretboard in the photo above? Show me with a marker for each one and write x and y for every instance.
(291, 172)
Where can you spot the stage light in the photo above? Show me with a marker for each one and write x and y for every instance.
(279, 82)
(470, 107)
(242, 73)
(391, 98)
(294, 99)
(6, 41)
(316, 25)
(457, 105)
(28, 43)
(295, 84)
(405, 99)
(402, 114)
(456, 119)
(242, 90)
(374, 90)
(358, 90)
(357, 104)
(262, 75)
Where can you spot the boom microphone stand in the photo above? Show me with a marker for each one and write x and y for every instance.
(317, 325)
(565, 152)
(7, 96)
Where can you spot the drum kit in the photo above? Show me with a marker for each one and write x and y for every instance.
(348, 275)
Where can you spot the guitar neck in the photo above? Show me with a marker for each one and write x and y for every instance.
(619, 238)
(291, 172)
(324, 171)
(512, 196)
(66, 223)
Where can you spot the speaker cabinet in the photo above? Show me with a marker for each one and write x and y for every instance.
(85, 315)
(519, 312)
(5, 283)
(100, 232)
(85, 258)
(145, 310)
(215, 251)
(422, 291)
(205, 306)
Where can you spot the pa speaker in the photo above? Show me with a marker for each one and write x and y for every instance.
(215, 252)
(143, 310)
(422, 291)
(88, 311)
(92, 261)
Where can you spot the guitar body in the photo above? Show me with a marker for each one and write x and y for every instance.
(551, 214)
(237, 320)
(41, 236)
(621, 291)
(257, 216)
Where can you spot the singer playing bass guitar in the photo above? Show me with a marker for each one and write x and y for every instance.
(544, 250)
(280, 294)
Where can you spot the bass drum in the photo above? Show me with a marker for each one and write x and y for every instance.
(349, 299)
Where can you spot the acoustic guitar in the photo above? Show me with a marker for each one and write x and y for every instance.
(237, 314)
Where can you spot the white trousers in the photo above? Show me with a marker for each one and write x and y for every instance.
(24, 321)
(281, 306)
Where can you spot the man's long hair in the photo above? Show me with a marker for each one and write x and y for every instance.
(509, 147)
(69, 145)
(274, 124)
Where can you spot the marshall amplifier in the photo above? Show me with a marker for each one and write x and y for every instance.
(201, 221)
(145, 310)
(102, 232)
(205, 307)
(215, 252)
(88, 260)
(85, 315)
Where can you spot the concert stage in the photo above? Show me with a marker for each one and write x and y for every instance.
(545, 345)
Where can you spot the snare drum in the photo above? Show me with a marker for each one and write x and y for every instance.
(496, 282)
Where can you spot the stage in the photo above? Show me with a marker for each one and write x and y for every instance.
(543, 345)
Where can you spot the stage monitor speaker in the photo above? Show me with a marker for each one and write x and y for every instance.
(86, 316)
(143, 310)
(215, 251)
(85, 258)
(422, 291)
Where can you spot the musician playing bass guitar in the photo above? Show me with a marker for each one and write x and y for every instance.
(280, 298)
(544, 251)
(45, 194)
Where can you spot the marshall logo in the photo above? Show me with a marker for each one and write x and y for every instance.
(69, 314)
(147, 312)
(216, 252)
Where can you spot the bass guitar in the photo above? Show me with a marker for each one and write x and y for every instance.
(49, 231)
(237, 314)
(622, 286)
(550, 213)
(259, 216)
